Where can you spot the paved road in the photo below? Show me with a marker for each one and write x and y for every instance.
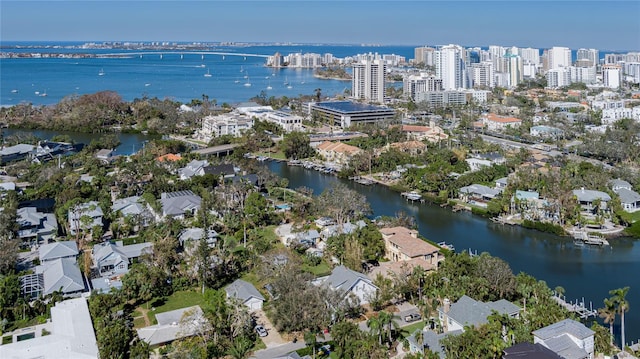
(284, 349)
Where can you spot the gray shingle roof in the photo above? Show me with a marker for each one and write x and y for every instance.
(169, 329)
(588, 195)
(57, 250)
(480, 190)
(62, 273)
(344, 278)
(242, 290)
(566, 348)
(468, 311)
(128, 206)
(627, 196)
(176, 203)
(619, 183)
(567, 326)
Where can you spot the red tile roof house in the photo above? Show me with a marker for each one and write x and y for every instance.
(498, 123)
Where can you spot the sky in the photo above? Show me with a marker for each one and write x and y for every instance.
(606, 25)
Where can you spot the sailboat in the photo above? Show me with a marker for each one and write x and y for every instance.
(101, 72)
(269, 85)
(208, 74)
(286, 81)
(247, 84)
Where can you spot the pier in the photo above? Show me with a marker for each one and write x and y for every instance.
(579, 307)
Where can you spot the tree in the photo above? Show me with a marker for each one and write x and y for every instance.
(296, 145)
(342, 203)
(240, 348)
(608, 314)
(311, 340)
(622, 306)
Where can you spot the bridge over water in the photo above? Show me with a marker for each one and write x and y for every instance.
(160, 53)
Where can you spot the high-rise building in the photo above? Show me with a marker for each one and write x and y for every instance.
(424, 55)
(584, 74)
(450, 67)
(515, 70)
(592, 55)
(482, 74)
(559, 57)
(530, 56)
(559, 77)
(424, 82)
(368, 81)
(612, 76)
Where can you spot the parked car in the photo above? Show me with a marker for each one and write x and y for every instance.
(412, 317)
(261, 331)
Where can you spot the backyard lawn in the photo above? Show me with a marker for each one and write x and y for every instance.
(177, 300)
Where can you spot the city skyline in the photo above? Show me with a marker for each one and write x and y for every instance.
(541, 24)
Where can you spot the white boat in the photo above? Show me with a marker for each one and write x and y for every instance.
(208, 74)
(202, 65)
(147, 85)
(14, 91)
(247, 84)
(413, 195)
(101, 72)
(286, 81)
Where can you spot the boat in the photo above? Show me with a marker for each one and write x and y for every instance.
(181, 56)
(203, 65)
(247, 84)
(289, 87)
(413, 195)
(14, 91)
(590, 239)
(447, 246)
(286, 81)
(147, 85)
(208, 74)
(101, 72)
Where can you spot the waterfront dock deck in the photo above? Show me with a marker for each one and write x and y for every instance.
(579, 307)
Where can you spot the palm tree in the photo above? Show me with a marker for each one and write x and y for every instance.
(622, 305)
(311, 340)
(240, 348)
(387, 321)
(608, 313)
(375, 327)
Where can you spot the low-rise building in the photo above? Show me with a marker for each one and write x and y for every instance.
(431, 133)
(543, 131)
(175, 324)
(590, 200)
(52, 251)
(36, 227)
(468, 311)
(347, 113)
(178, 204)
(629, 199)
(402, 244)
(61, 274)
(337, 152)
(478, 194)
(70, 335)
(567, 338)
(193, 168)
(499, 123)
(349, 282)
(15, 153)
(85, 216)
(246, 293)
(114, 258)
(225, 124)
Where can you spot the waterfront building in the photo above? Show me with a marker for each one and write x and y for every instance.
(347, 113)
(368, 82)
(424, 55)
(482, 74)
(559, 57)
(612, 76)
(403, 244)
(413, 84)
(567, 338)
(285, 119)
(225, 124)
(277, 60)
(303, 61)
(337, 152)
(450, 67)
(467, 312)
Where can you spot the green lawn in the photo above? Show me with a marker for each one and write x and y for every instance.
(408, 330)
(178, 300)
(138, 322)
(320, 270)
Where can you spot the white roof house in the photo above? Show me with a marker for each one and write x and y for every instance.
(246, 293)
(72, 335)
(175, 324)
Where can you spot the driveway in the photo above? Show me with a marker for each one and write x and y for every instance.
(273, 339)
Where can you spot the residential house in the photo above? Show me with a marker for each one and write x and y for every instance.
(69, 334)
(85, 216)
(193, 168)
(309, 238)
(501, 183)
(431, 133)
(498, 123)
(485, 160)
(178, 204)
(526, 350)
(55, 250)
(337, 152)
(34, 226)
(224, 171)
(349, 282)
(545, 132)
(567, 338)
(133, 207)
(629, 199)
(169, 157)
(468, 311)
(48, 150)
(589, 198)
(246, 293)
(478, 194)
(61, 274)
(15, 153)
(114, 258)
(193, 235)
(413, 148)
(173, 325)
(402, 244)
(105, 155)
(346, 228)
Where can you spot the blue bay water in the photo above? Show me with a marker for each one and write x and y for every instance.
(175, 75)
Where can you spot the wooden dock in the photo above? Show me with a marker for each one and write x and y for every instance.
(579, 307)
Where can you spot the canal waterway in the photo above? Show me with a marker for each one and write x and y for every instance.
(588, 272)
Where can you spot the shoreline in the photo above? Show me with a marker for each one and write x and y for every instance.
(321, 77)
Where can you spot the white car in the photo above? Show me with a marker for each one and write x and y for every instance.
(261, 331)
